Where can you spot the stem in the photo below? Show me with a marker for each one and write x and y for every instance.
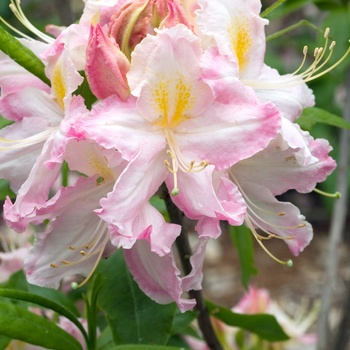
(336, 231)
(185, 252)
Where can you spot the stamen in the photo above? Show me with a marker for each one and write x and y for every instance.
(15, 7)
(96, 246)
(179, 162)
(326, 194)
(253, 218)
(29, 141)
(288, 263)
(313, 72)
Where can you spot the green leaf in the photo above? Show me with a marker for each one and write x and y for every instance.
(4, 122)
(18, 323)
(85, 91)
(145, 347)
(243, 241)
(44, 302)
(5, 190)
(4, 341)
(132, 316)
(263, 325)
(22, 55)
(314, 115)
(54, 295)
(182, 320)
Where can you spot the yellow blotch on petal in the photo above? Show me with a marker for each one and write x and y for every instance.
(59, 84)
(99, 165)
(241, 40)
(172, 100)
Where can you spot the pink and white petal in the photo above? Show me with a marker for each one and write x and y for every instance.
(209, 198)
(238, 31)
(129, 198)
(240, 131)
(157, 276)
(33, 194)
(278, 169)
(73, 224)
(193, 281)
(115, 124)
(30, 102)
(15, 164)
(106, 66)
(270, 86)
(174, 89)
(280, 218)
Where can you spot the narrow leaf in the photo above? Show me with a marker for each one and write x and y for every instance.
(263, 325)
(133, 317)
(44, 302)
(18, 323)
(243, 242)
(271, 8)
(22, 55)
(314, 115)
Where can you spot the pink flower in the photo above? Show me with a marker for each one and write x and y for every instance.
(275, 170)
(238, 32)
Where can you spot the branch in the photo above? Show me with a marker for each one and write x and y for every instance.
(185, 253)
(336, 231)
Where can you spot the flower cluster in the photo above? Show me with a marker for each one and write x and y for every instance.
(146, 92)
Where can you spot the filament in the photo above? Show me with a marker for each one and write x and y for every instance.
(178, 162)
(15, 7)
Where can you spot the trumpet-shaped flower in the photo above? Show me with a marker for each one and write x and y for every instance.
(238, 33)
(273, 171)
(174, 131)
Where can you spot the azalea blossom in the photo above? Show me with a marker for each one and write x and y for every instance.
(273, 171)
(259, 301)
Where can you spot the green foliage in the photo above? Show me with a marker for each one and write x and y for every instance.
(263, 325)
(243, 242)
(4, 341)
(5, 190)
(313, 115)
(4, 122)
(132, 316)
(18, 323)
(43, 302)
(22, 55)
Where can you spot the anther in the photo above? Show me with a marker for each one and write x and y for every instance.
(82, 253)
(72, 247)
(65, 262)
(54, 265)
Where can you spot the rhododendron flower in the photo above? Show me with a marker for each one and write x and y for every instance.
(259, 301)
(238, 33)
(167, 134)
(273, 171)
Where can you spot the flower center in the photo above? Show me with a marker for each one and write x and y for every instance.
(172, 101)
